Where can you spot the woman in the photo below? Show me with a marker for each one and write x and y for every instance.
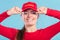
(30, 14)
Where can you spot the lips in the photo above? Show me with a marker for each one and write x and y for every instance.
(29, 20)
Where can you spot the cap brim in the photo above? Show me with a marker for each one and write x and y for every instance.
(29, 8)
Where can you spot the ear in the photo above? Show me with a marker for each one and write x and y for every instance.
(38, 15)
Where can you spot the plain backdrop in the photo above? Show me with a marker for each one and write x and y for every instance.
(15, 21)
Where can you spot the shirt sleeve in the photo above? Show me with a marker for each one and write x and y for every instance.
(53, 13)
(52, 30)
(8, 32)
(3, 16)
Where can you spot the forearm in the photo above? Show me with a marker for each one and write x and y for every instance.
(53, 13)
(52, 30)
(55, 28)
(3, 16)
(8, 32)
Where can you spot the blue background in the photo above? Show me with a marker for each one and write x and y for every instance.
(15, 21)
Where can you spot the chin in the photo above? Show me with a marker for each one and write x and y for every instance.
(29, 24)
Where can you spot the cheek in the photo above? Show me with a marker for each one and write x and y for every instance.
(23, 17)
(35, 18)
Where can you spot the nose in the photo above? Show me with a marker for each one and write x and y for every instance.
(29, 15)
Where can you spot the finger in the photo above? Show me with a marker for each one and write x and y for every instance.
(18, 9)
(39, 11)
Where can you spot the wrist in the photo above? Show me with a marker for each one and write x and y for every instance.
(45, 10)
(9, 12)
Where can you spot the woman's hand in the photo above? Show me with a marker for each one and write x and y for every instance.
(42, 10)
(14, 10)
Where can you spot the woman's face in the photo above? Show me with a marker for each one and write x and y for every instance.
(30, 17)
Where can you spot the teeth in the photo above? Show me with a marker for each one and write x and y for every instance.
(30, 20)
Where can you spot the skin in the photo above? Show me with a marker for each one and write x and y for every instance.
(29, 17)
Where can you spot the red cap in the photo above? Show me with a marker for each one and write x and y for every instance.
(29, 5)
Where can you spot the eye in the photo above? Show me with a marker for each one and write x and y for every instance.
(33, 12)
(25, 13)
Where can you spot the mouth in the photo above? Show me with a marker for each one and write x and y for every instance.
(29, 20)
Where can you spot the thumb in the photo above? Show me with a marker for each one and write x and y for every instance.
(39, 11)
(18, 9)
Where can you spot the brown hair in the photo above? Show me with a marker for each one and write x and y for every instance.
(20, 34)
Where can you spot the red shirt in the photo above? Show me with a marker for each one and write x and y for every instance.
(42, 34)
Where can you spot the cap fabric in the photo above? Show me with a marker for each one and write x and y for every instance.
(29, 5)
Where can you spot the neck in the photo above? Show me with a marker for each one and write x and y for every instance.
(30, 28)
